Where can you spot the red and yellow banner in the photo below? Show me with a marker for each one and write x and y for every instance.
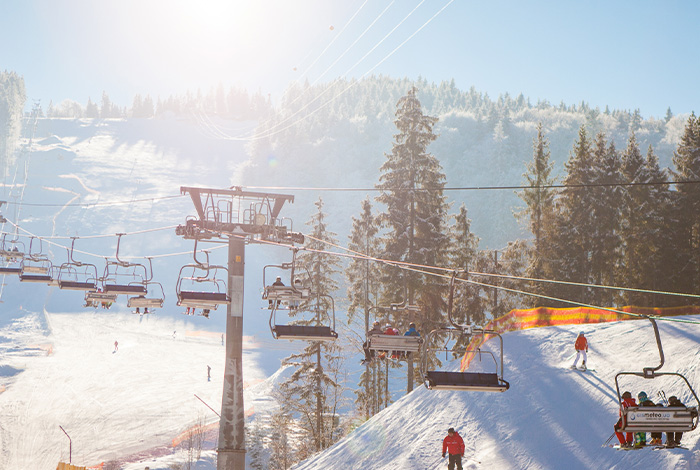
(522, 319)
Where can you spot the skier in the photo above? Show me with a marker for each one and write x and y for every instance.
(625, 441)
(581, 346)
(454, 444)
(116, 347)
(674, 439)
(208, 374)
(640, 438)
(376, 330)
(278, 282)
(412, 330)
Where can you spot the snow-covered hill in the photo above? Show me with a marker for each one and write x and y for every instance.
(551, 418)
(61, 369)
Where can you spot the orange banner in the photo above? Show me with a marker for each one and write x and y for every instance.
(522, 319)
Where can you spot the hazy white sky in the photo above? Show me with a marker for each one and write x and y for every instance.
(625, 54)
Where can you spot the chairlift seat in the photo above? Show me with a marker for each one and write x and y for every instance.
(394, 343)
(197, 299)
(307, 333)
(35, 269)
(11, 255)
(285, 293)
(100, 297)
(135, 289)
(76, 285)
(469, 381)
(43, 278)
(145, 302)
(659, 419)
(9, 270)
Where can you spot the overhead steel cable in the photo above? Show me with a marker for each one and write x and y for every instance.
(418, 268)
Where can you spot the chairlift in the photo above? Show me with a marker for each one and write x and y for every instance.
(211, 290)
(455, 380)
(35, 266)
(11, 250)
(97, 298)
(288, 295)
(9, 269)
(115, 279)
(306, 332)
(76, 275)
(396, 343)
(144, 301)
(657, 419)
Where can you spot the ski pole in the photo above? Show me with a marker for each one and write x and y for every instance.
(609, 439)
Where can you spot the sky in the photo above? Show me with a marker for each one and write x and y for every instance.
(623, 54)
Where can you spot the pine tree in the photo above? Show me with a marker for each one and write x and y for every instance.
(572, 240)
(12, 100)
(314, 389)
(411, 185)
(91, 110)
(633, 221)
(686, 160)
(539, 199)
(363, 290)
(467, 306)
(659, 271)
(607, 243)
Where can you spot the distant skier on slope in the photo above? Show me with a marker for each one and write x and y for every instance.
(116, 347)
(581, 346)
(454, 444)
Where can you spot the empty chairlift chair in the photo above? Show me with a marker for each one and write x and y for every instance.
(457, 380)
(76, 275)
(35, 266)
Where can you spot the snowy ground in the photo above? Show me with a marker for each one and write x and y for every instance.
(63, 370)
(123, 405)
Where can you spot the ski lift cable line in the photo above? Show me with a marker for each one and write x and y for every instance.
(340, 33)
(582, 284)
(472, 188)
(87, 253)
(360, 255)
(415, 268)
(212, 130)
(88, 205)
(53, 237)
(272, 131)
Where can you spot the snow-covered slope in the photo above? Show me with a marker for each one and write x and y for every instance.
(61, 369)
(551, 418)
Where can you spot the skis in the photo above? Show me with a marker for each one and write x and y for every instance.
(653, 447)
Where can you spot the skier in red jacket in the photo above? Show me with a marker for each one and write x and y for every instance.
(454, 444)
(581, 347)
(625, 441)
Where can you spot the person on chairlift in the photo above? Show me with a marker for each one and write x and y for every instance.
(278, 282)
(375, 330)
(674, 439)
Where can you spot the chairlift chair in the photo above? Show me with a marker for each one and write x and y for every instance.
(210, 298)
(143, 301)
(116, 281)
(94, 298)
(76, 275)
(465, 381)
(455, 380)
(12, 250)
(290, 294)
(305, 332)
(657, 419)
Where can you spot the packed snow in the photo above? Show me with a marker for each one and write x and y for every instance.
(130, 403)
